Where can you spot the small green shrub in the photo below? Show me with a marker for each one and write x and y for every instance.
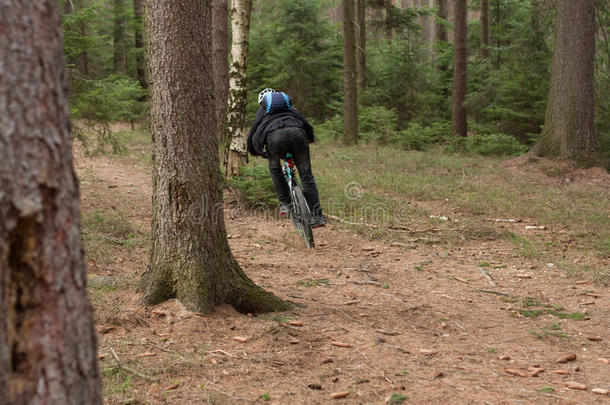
(494, 145)
(254, 186)
(100, 102)
(418, 137)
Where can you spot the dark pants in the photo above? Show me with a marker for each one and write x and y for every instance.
(294, 141)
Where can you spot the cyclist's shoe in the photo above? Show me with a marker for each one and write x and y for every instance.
(284, 209)
(319, 221)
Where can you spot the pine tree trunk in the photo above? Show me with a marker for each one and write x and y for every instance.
(485, 38)
(47, 340)
(441, 31)
(237, 133)
(118, 38)
(362, 44)
(458, 111)
(190, 258)
(139, 44)
(569, 122)
(350, 105)
(220, 46)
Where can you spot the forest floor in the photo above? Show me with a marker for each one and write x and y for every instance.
(377, 320)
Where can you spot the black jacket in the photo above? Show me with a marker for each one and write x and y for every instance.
(263, 124)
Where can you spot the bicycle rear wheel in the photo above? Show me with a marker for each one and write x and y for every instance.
(301, 217)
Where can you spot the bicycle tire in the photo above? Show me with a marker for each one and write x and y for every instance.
(301, 217)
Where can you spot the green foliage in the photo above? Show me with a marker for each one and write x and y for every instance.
(101, 102)
(494, 145)
(418, 137)
(294, 49)
(508, 92)
(254, 186)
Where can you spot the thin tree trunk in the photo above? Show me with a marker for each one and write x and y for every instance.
(220, 46)
(235, 152)
(485, 38)
(118, 38)
(362, 44)
(350, 105)
(47, 340)
(190, 257)
(440, 29)
(569, 122)
(139, 44)
(458, 111)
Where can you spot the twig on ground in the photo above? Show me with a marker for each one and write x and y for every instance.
(488, 277)
(493, 292)
(129, 369)
(366, 282)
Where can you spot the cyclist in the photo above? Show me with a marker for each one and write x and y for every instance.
(279, 129)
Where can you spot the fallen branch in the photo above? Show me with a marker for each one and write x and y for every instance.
(493, 292)
(129, 369)
(488, 277)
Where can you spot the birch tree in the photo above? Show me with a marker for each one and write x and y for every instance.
(237, 132)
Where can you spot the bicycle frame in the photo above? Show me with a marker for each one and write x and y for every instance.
(300, 211)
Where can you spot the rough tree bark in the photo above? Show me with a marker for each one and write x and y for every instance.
(47, 341)
(569, 122)
(139, 44)
(485, 38)
(220, 64)
(350, 104)
(190, 258)
(119, 44)
(361, 6)
(458, 111)
(237, 132)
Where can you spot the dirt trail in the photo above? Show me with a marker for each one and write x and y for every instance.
(420, 321)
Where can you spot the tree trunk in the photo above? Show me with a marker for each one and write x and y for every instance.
(237, 133)
(47, 340)
(220, 46)
(441, 31)
(569, 122)
(350, 105)
(139, 44)
(190, 258)
(118, 38)
(458, 111)
(485, 38)
(362, 44)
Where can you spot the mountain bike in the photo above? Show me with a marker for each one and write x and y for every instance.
(299, 210)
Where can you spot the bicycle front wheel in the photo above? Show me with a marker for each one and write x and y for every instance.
(301, 217)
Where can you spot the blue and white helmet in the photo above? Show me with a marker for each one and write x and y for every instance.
(261, 95)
